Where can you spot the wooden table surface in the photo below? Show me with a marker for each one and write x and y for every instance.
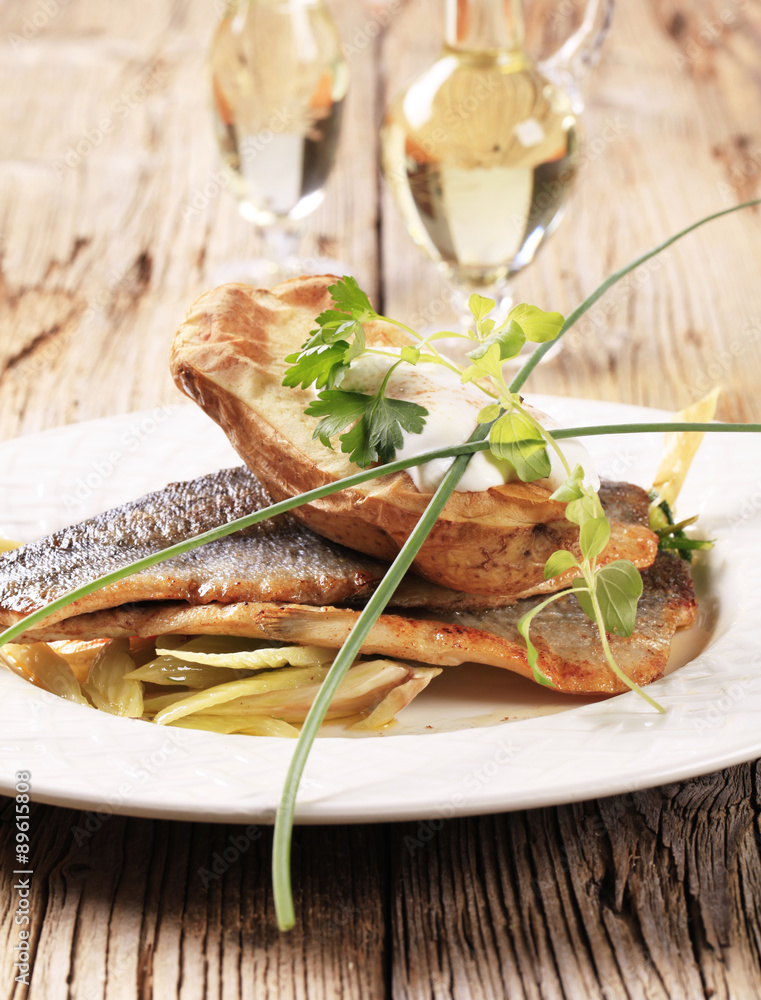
(113, 212)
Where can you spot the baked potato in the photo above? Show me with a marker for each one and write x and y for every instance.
(228, 356)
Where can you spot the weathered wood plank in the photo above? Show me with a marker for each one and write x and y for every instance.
(128, 908)
(649, 895)
(116, 207)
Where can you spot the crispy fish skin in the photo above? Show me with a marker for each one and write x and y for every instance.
(276, 560)
(570, 652)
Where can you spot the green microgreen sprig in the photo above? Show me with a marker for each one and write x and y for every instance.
(607, 594)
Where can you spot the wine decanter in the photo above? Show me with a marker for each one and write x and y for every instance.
(482, 149)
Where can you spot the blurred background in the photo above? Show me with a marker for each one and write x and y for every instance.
(116, 209)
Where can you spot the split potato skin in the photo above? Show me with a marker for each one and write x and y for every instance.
(228, 356)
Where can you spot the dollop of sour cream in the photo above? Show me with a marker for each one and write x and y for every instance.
(453, 409)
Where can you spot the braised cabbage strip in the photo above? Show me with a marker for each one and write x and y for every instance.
(220, 684)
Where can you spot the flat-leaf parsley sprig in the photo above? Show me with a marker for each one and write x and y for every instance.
(370, 427)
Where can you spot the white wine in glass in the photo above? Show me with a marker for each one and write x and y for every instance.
(279, 80)
(481, 151)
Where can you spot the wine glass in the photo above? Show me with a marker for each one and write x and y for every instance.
(279, 80)
(482, 150)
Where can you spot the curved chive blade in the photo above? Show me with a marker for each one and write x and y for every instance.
(468, 448)
(221, 532)
(654, 427)
(281, 848)
(587, 304)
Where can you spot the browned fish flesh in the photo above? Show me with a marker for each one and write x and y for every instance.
(277, 560)
(570, 652)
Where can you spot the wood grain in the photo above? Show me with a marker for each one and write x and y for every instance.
(646, 895)
(127, 908)
(120, 171)
(652, 895)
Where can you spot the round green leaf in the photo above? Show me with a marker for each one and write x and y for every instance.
(558, 563)
(594, 536)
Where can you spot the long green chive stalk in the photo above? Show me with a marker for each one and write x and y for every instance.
(214, 534)
(655, 427)
(587, 304)
(281, 849)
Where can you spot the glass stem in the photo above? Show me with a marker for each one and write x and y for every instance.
(483, 25)
(280, 244)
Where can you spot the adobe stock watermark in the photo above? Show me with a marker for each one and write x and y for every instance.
(78, 151)
(552, 191)
(558, 13)
(371, 29)
(248, 149)
(476, 779)
(592, 330)
(101, 469)
(237, 845)
(458, 114)
(743, 172)
(709, 33)
(725, 701)
(749, 508)
(43, 14)
(726, 358)
(51, 348)
(140, 772)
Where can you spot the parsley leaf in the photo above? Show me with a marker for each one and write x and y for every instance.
(349, 297)
(321, 365)
(377, 422)
(339, 409)
(339, 338)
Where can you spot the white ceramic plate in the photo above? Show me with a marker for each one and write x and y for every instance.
(552, 750)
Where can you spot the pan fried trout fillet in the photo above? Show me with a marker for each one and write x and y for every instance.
(277, 560)
(570, 652)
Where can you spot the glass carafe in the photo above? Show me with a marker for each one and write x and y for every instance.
(482, 149)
